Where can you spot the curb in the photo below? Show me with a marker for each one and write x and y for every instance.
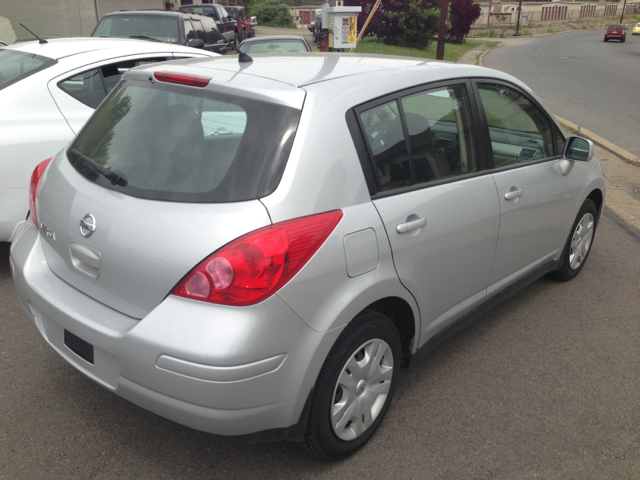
(483, 54)
(628, 157)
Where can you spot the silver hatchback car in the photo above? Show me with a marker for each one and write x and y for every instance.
(256, 249)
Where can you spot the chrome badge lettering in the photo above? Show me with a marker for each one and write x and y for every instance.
(45, 231)
(87, 225)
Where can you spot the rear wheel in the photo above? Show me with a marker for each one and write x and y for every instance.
(354, 388)
(578, 246)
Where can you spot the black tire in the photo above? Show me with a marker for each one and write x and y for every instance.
(362, 333)
(568, 268)
(606, 39)
(237, 39)
(623, 40)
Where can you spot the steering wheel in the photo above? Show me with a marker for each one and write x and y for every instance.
(530, 150)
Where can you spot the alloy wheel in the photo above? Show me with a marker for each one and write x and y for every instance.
(581, 241)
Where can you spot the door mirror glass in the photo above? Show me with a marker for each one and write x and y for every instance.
(579, 148)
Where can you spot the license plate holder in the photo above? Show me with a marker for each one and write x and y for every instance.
(78, 346)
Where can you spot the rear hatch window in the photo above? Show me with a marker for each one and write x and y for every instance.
(184, 144)
(15, 66)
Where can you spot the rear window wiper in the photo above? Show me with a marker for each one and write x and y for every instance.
(142, 37)
(113, 177)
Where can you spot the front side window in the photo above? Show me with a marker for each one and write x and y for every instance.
(187, 145)
(519, 131)
(189, 31)
(15, 66)
(200, 31)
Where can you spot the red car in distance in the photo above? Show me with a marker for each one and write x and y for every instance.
(615, 31)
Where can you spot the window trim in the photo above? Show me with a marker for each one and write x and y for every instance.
(366, 156)
(485, 126)
(46, 63)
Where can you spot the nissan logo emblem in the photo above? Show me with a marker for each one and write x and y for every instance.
(87, 225)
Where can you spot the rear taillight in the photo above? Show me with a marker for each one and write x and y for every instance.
(33, 187)
(256, 265)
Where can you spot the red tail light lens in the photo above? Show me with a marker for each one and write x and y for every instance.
(255, 266)
(182, 79)
(33, 187)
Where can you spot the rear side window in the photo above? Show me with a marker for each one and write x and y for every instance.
(15, 66)
(93, 86)
(186, 145)
(434, 144)
(145, 27)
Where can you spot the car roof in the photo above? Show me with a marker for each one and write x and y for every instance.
(275, 38)
(303, 69)
(65, 47)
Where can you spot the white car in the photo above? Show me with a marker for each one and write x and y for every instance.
(47, 93)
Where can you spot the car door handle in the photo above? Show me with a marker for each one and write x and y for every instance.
(413, 225)
(513, 194)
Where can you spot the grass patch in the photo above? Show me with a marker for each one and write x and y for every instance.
(550, 30)
(452, 51)
(526, 32)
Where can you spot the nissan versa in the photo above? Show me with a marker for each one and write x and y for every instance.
(256, 249)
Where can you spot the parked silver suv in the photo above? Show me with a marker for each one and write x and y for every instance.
(256, 249)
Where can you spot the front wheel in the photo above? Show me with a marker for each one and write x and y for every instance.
(354, 388)
(579, 242)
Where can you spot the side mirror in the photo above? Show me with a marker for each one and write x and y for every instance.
(579, 149)
(195, 43)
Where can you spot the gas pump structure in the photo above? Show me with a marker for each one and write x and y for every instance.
(339, 25)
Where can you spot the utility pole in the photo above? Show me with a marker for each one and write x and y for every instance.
(444, 10)
(623, 9)
(518, 24)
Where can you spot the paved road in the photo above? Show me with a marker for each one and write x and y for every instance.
(583, 79)
(544, 387)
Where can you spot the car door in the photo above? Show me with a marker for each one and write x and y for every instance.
(436, 199)
(537, 197)
(79, 92)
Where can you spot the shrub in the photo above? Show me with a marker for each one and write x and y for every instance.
(272, 13)
(492, 32)
(463, 14)
(406, 23)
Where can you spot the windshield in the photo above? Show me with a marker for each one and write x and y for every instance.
(185, 144)
(274, 47)
(150, 27)
(15, 66)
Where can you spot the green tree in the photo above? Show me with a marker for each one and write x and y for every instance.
(411, 23)
(272, 13)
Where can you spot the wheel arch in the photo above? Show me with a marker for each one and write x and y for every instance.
(401, 314)
(597, 197)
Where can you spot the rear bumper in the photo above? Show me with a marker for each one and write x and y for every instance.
(14, 208)
(223, 370)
